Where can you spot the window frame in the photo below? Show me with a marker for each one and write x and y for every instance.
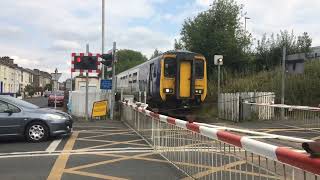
(164, 68)
(19, 109)
(195, 68)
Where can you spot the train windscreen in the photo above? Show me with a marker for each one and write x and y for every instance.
(170, 67)
(199, 68)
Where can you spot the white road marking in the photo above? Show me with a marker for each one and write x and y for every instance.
(53, 146)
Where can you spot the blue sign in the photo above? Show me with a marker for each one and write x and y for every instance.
(106, 84)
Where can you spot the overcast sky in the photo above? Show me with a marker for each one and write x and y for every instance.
(43, 33)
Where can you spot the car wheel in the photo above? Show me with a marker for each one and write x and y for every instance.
(37, 132)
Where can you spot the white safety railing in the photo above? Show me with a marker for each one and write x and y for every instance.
(301, 116)
(211, 152)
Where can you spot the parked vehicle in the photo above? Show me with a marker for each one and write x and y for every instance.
(47, 93)
(58, 97)
(20, 118)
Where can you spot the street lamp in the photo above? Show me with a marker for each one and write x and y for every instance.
(245, 23)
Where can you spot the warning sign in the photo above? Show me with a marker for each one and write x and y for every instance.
(100, 108)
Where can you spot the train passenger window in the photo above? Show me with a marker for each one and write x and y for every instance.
(199, 68)
(170, 67)
(135, 74)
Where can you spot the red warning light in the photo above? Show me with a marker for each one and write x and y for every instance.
(78, 59)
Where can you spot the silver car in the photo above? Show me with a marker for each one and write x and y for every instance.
(20, 118)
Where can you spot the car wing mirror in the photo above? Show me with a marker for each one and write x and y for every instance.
(9, 111)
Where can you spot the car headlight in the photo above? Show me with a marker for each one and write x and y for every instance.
(54, 117)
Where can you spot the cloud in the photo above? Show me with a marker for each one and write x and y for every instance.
(63, 45)
(10, 30)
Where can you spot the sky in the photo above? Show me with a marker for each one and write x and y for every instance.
(43, 33)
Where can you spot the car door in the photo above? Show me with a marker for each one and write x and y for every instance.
(10, 119)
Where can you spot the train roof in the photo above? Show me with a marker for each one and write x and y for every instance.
(175, 52)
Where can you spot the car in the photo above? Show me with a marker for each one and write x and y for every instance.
(58, 97)
(47, 93)
(20, 118)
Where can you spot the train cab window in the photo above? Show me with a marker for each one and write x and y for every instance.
(170, 67)
(199, 69)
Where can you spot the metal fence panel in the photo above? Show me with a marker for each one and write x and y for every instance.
(206, 152)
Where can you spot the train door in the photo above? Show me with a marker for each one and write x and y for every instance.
(151, 78)
(185, 79)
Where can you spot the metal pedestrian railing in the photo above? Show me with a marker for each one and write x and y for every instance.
(212, 152)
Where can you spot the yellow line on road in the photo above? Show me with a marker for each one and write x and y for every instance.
(106, 162)
(60, 164)
(94, 175)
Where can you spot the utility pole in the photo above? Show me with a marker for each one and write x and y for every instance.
(102, 42)
(113, 81)
(87, 88)
(283, 80)
(245, 23)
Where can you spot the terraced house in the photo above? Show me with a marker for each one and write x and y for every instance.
(14, 79)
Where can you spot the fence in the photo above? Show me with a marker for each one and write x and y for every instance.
(77, 100)
(229, 105)
(211, 152)
(301, 116)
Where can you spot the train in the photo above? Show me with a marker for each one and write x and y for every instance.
(173, 79)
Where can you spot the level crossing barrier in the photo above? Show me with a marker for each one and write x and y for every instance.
(300, 116)
(212, 152)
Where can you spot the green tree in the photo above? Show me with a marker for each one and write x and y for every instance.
(48, 87)
(177, 45)
(156, 53)
(30, 90)
(128, 59)
(269, 49)
(219, 31)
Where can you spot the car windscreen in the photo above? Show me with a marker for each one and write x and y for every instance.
(20, 102)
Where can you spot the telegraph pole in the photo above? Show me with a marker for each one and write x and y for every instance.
(113, 81)
(283, 80)
(87, 88)
(55, 88)
(103, 36)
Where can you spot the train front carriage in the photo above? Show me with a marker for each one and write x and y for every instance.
(183, 78)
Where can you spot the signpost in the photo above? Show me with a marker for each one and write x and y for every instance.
(55, 77)
(106, 84)
(99, 109)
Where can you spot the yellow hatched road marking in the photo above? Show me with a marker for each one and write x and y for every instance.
(107, 162)
(93, 175)
(115, 143)
(60, 164)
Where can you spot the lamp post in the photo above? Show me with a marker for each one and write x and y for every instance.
(245, 23)
(218, 60)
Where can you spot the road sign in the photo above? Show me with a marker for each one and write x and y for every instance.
(99, 109)
(56, 76)
(106, 84)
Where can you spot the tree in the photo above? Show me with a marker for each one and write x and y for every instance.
(218, 31)
(304, 43)
(269, 49)
(177, 45)
(128, 59)
(30, 90)
(156, 53)
(48, 87)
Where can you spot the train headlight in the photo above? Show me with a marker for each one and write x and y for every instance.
(168, 90)
(199, 91)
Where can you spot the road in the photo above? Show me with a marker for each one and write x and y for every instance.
(95, 150)
(111, 150)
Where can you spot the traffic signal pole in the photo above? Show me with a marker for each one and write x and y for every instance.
(103, 37)
(113, 81)
(87, 88)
